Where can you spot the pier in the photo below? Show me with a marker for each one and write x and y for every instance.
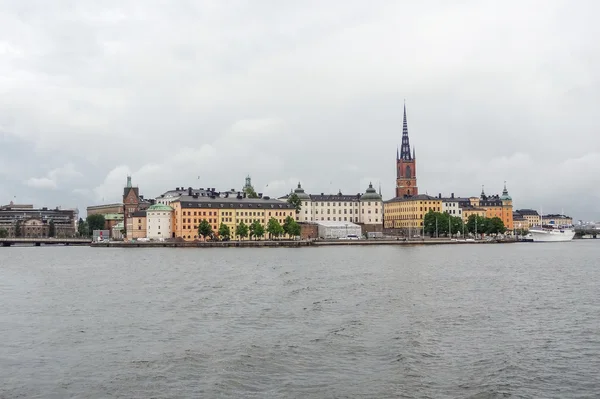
(7, 242)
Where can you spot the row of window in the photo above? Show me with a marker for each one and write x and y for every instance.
(229, 213)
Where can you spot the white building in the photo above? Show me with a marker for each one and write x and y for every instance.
(158, 221)
(335, 230)
(453, 205)
(364, 208)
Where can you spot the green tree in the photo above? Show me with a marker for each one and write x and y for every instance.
(295, 201)
(95, 222)
(429, 222)
(241, 230)
(477, 224)
(256, 229)
(250, 193)
(18, 228)
(274, 228)
(205, 229)
(294, 229)
(224, 232)
(456, 225)
(287, 223)
(82, 228)
(3, 233)
(51, 229)
(495, 225)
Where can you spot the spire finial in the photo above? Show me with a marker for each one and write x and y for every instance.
(405, 151)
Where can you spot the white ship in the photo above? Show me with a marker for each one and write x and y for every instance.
(549, 233)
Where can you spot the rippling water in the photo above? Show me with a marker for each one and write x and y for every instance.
(474, 321)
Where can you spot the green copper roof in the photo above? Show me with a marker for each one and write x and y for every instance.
(370, 194)
(505, 195)
(113, 216)
(160, 207)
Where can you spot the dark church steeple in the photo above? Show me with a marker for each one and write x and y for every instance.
(405, 153)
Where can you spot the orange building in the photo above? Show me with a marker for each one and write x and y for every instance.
(189, 211)
(498, 206)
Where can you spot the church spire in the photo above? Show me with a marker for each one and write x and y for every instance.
(405, 152)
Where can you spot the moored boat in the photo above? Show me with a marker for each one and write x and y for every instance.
(551, 233)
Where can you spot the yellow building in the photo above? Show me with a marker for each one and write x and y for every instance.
(189, 211)
(467, 211)
(138, 225)
(408, 212)
(531, 216)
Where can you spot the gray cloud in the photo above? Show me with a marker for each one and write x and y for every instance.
(173, 91)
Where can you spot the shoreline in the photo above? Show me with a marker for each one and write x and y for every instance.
(284, 244)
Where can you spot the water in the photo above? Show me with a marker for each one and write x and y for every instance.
(474, 321)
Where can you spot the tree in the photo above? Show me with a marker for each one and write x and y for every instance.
(256, 229)
(241, 230)
(456, 224)
(82, 228)
(224, 232)
(274, 228)
(495, 225)
(250, 193)
(476, 224)
(18, 228)
(294, 229)
(95, 222)
(294, 200)
(51, 229)
(3, 233)
(205, 229)
(286, 225)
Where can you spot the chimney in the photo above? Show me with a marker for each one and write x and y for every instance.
(452, 195)
(244, 195)
(440, 195)
(190, 191)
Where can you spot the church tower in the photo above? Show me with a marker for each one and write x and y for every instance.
(406, 167)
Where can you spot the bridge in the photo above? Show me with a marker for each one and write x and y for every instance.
(581, 231)
(7, 242)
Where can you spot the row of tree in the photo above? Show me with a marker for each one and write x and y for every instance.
(444, 224)
(255, 230)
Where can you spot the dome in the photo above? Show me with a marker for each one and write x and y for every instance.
(160, 207)
(370, 194)
(505, 196)
(300, 193)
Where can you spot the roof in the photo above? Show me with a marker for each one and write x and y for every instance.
(471, 208)
(328, 223)
(420, 197)
(527, 212)
(113, 216)
(119, 226)
(139, 214)
(556, 216)
(370, 194)
(299, 191)
(455, 199)
(159, 207)
(187, 201)
(517, 216)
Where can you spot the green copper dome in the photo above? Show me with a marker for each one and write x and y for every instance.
(300, 193)
(160, 207)
(505, 196)
(370, 194)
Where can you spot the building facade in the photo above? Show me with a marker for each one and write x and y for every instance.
(358, 208)
(138, 225)
(406, 166)
(27, 221)
(557, 220)
(106, 209)
(217, 209)
(159, 221)
(132, 202)
(454, 205)
(531, 216)
(499, 206)
(469, 210)
(408, 212)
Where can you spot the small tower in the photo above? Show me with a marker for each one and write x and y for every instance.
(406, 167)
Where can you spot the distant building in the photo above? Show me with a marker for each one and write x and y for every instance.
(531, 216)
(336, 230)
(499, 206)
(359, 208)
(105, 209)
(557, 219)
(223, 208)
(27, 221)
(454, 205)
(159, 219)
(132, 202)
(167, 197)
(468, 210)
(407, 213)
(138, 222)
(519, 222)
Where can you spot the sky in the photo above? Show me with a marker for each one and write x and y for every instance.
(203, 93)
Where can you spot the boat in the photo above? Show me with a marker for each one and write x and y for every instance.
(551, 233)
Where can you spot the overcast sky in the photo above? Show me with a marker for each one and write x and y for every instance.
(201, 93)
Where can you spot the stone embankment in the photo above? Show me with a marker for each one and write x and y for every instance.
(282, 243)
